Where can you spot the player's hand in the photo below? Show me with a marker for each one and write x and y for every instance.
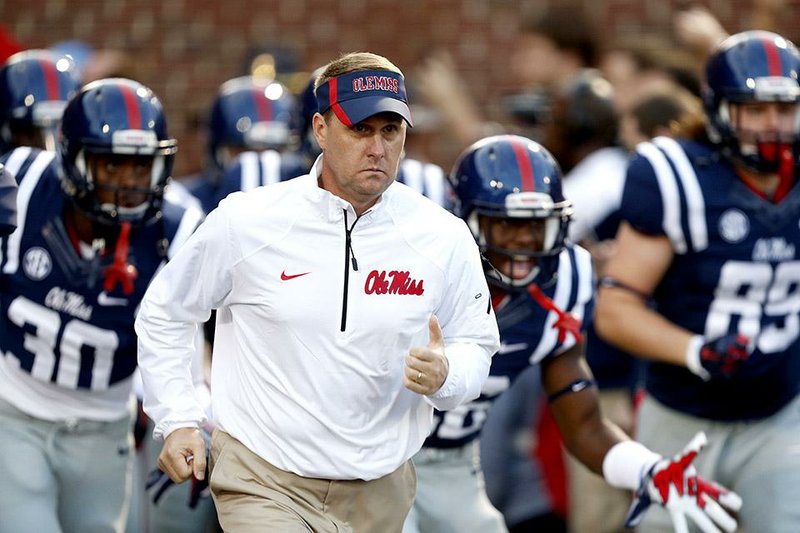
(427, 367)
(183, 455)
(675, 485)
(718, 358)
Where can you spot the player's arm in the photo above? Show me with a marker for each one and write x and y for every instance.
(599, 444)
(570, 386)
(623, 317)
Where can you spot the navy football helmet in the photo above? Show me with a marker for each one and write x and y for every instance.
(752, 66)
(508, 179)
(35, 86)
(115, 116)
(250, 113)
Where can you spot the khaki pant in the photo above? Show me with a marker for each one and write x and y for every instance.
(251, 495)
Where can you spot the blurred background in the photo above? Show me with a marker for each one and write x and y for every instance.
(184, 49)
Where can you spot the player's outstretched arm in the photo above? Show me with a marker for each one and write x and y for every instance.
(604, 448)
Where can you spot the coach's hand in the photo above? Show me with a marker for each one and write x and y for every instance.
(427, 367)
(183, 455)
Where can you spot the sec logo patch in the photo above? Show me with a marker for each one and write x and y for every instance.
(734, 225)
(37, 263)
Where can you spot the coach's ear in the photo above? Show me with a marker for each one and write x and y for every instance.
(320, 127)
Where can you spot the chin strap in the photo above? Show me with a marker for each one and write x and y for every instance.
(565, 323)
(120, 271)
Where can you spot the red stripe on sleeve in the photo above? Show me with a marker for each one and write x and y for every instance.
(50, 79)
(773, 59)
(524, 164)
(132, 108)
(337, 109)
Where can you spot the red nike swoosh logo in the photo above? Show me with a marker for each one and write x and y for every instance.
(287, 277)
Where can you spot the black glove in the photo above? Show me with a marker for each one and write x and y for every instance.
(140, 425)
(718, 358)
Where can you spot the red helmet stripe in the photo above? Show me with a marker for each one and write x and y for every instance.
(50, 79)
(337, 109)
(773, 59)
(524, 164)
(131, 108)
(263, 104)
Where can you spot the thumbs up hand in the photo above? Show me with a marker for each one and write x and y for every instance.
(427, 367)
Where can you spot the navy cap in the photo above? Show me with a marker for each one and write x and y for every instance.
(358, 95)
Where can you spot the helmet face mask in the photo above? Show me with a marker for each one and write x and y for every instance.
(110, 124)
(757, 70)
(509, 192)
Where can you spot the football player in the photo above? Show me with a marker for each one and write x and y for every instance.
(251, 127)
(35, 86)
(705, 281)
(509, 192)
(92, 231)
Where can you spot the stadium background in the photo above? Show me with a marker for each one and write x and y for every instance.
(184, 49)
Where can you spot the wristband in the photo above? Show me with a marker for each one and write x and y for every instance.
(692, 357)
(626, 462)
(576, 386)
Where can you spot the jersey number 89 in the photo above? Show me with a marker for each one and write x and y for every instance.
(758, 294)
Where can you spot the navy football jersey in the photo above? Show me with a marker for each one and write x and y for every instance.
(248, 171)
(735, 270)
(527, 337)
(427, 179)
(8, 202)
(64, 339)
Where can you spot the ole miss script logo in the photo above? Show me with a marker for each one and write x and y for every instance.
(393, 282)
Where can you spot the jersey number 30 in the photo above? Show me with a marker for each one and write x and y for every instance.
(49, 347)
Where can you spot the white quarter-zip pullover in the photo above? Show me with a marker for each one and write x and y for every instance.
(317, 310)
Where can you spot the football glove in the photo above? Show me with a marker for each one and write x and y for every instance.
(675, 485)
(720, 358)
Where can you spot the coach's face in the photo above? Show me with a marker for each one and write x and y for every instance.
(360, 161)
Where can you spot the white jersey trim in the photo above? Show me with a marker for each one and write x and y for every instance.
(564, 289)
(669, 195)
(24, 193)
(691, 186)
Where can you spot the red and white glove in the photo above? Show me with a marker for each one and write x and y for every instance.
(675, 485)
(719, 358)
